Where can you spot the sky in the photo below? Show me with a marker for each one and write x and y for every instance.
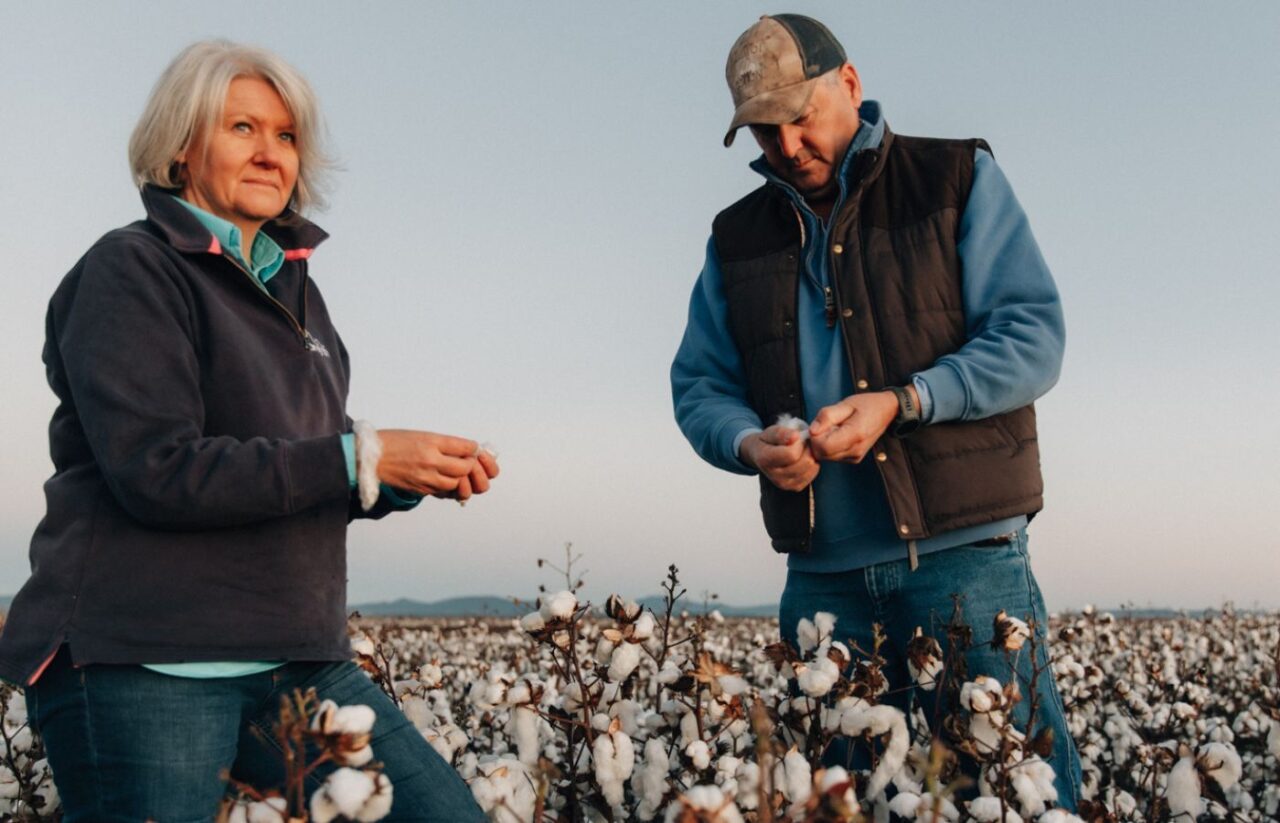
(524, 201)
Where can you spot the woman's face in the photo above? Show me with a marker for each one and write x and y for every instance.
(245, 169)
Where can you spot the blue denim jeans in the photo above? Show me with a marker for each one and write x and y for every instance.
(129, 744)
(988, 578)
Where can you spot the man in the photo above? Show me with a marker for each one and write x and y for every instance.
(889, 290)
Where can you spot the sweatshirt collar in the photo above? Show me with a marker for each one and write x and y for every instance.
(296, 236)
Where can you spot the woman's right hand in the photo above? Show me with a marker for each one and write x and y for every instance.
(434, 464)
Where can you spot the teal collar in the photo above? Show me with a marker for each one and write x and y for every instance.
(266, 255)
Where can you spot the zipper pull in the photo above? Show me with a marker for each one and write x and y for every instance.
(830, 306)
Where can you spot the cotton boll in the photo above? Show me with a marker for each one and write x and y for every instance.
(649, 779)
(699, 754)
(624, 661)
(1058, 816)
(709, 805)
(344, 793)
(817, 679)
(689, 731)
(732, 684)
(1183, 790)
(981, 694)
(794, 778)
(807, 636)
(837, 781)
(378, 805)
(503, 790)
(1273, 739)
(613, 757)
(876, 721)
(523, 728)
(825, 623)
(669, 673)
(987, 810)
(1220, 762)
(533, 622)
(1010, 632)
(559, 606)
(644, 626)
(905, 804)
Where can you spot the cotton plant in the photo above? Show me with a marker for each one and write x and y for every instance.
(520, 708)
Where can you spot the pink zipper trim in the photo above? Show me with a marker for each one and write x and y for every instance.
(298, 254)
(44, 665)
(215, 247)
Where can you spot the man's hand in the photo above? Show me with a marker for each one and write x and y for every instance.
(781, 455)
(434, 464)
(847, 430)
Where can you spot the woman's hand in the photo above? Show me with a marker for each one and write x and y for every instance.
(434, 464)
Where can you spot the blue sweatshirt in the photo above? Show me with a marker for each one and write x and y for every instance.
(1012, 356)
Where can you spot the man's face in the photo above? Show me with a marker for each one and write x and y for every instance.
(807, 151)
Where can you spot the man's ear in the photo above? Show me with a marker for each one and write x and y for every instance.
(851, 84)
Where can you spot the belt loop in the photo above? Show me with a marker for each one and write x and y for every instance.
(913, 559)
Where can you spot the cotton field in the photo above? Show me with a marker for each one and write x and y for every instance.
(615, 712)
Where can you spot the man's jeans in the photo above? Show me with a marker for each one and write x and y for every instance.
(129, 744)
(988, 579)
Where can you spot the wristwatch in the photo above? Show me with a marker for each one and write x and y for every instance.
(908, 419)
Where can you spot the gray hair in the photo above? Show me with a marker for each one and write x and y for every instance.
(187, 102)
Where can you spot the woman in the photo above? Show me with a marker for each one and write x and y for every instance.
(191, 566)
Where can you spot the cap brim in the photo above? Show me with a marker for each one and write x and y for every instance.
(772, 107)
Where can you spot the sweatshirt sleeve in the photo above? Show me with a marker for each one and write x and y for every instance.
(1013, 315)
(126, 347)
(708, 383)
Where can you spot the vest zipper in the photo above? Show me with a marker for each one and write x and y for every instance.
(829, 306)
(309, 342)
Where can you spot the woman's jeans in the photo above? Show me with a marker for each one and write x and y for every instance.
(988, 579)
(129, 744)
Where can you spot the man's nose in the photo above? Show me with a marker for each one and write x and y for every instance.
(789, 140)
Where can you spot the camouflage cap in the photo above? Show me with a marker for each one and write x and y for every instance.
(773, 67)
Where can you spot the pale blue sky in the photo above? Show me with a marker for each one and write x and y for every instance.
(526, 198)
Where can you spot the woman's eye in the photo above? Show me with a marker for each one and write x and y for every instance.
(242, 127)
(288, 137)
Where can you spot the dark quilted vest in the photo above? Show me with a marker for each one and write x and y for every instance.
(897, 288)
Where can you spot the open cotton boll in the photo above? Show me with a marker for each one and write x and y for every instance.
(708, 804)
(795, 424)
(614, 758)
(523, 728)
(344, 792)
(623, 662)
(1220, 762)
(877, 721)
(643, 628)
(987, 810)
(649, 779)
(1182, 791)
(817, 679)
(837, 781)
(533, 622)
(699, 754)
(794, 777)
(1058, 816)
(559, 606)
(905, 804)
(806, 635)
(982, 694)
(1273, 739)
(825, 623)
(503, 788)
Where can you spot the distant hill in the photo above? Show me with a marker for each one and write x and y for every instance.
(453, 607)
(504, 607)
(489, 606)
